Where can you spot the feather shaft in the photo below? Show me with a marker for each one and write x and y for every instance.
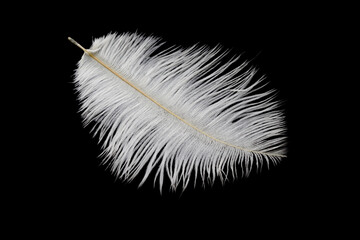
(164, 108)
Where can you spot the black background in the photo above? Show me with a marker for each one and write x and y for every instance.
(284, 44)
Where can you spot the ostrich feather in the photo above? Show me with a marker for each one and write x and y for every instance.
(180, 114)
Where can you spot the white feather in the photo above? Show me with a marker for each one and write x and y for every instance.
(182, 112)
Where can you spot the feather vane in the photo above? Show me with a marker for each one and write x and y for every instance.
(178, 112)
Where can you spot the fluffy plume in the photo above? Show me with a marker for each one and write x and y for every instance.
(182, 114)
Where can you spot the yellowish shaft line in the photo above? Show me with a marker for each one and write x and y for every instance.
(167, 110)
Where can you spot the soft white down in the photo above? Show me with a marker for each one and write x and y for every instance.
(202, 118)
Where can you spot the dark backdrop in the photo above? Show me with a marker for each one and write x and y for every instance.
(284, 45)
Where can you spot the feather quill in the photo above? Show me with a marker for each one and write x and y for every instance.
(181, 113)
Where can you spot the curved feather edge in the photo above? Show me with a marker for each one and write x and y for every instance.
(219, 117)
